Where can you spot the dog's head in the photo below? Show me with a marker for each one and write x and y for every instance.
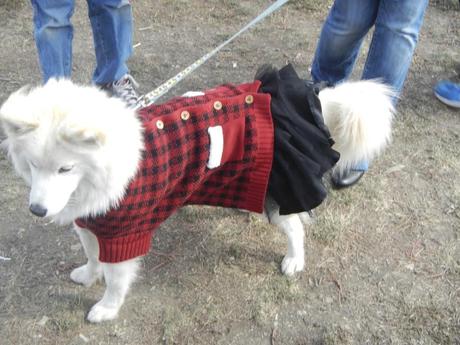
(58, 141)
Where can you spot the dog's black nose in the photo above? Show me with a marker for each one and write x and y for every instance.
(38, 210)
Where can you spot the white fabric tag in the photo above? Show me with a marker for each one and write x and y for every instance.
(193, 94)
(216, 146)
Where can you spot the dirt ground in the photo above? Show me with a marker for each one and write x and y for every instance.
(383, 258)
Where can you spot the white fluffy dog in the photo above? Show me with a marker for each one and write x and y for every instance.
(65, 141)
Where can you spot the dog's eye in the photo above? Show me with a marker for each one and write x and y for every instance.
(65, 169)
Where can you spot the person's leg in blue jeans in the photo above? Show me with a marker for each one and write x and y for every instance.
(53, 34)
(397, 28)
(397, 25)
(112, 24)
(341, 37)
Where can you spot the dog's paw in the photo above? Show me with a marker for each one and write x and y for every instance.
(85, 275)
(99, 313)
(291, 265)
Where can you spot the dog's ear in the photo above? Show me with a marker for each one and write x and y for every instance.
(15, 116)
(17, 127)
(85, 138)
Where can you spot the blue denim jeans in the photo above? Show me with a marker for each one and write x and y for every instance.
(396, 29)
(112, 26)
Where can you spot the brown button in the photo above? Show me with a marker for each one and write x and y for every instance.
(249, 99)
(160, 124)
(217, 105)
(185, 115)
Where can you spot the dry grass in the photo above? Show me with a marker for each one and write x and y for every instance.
(382, 259)
(446, 5)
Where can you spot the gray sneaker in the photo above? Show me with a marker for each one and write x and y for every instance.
(124, 89)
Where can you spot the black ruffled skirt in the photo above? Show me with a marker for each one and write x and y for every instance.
(303, 145)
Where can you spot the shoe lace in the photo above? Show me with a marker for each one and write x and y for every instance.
(125, 89)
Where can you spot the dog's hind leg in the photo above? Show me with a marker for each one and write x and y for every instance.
(291, 225)
(118, 278)
(89, 273)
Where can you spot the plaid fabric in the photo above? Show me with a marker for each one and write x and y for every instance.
(173, 170)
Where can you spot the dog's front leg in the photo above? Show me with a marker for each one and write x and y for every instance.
(118, 278)
(291, 225)
(89, 273)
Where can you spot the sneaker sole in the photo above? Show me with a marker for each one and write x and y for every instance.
(455, 104)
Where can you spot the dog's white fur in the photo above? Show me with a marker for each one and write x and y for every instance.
(78, 150)
(359, 116)
(62, 124)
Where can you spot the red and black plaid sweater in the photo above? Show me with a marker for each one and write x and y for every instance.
(174, 172)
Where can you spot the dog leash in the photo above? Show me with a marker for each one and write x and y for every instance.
(151, 97)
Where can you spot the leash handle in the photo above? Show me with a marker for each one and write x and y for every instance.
(152, 96)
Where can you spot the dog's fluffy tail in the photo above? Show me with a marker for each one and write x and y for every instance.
(359, 116)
